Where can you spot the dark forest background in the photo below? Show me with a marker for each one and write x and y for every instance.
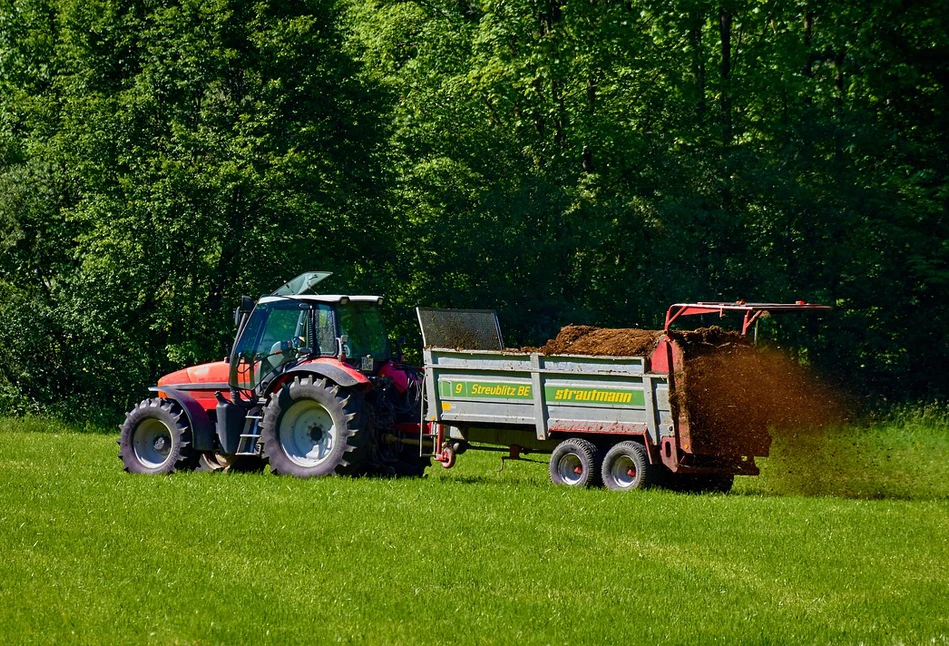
(560, 161)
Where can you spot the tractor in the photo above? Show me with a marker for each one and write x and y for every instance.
(312, 386)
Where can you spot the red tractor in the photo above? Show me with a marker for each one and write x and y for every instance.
(312, 386)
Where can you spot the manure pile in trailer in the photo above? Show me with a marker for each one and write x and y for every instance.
(728, 390)
(601, 341)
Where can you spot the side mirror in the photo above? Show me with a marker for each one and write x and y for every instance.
(246, 306)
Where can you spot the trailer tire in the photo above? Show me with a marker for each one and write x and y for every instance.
(575, 463)
(311, 428)
(155, 438)
(626, 466)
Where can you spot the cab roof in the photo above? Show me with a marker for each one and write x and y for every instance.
(335, 299)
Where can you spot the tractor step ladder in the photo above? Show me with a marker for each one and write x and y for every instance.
(431, 438)
(249, 438)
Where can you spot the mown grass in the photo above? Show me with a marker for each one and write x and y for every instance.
(94, 555)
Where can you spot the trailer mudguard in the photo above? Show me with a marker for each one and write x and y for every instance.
(202, 430)
(344, 376)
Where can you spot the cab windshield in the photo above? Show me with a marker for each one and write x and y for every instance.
(276, 333)
(362, 323)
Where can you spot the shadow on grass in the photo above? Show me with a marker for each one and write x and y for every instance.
(841, 492)
(491, 479)
(902, 457)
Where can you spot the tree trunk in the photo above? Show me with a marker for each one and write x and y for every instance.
(725, 30)
(698, 63)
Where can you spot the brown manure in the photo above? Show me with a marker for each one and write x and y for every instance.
(615, 342)
(731, 393)
(734, 395)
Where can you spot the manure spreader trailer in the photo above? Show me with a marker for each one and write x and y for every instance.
(623, 421)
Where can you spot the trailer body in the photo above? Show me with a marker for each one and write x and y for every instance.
(533, 401)
(547, 396)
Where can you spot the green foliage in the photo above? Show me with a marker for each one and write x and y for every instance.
(594, 162)
(561, 162)
(175, 158)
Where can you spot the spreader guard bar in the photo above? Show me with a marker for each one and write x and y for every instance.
(752, 310)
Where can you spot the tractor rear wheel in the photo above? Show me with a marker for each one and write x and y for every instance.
(626, 466)
(155, 438)
(311, 429)
(575, 463)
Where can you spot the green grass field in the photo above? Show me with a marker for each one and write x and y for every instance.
(846, 542)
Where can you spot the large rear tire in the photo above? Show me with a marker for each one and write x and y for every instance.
(626, 466)
(312, 429)
(155, 439)
(575, 463)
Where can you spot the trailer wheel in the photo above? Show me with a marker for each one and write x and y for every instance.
(626, 466)
(575, 463)
(154, 438)
(312, 429)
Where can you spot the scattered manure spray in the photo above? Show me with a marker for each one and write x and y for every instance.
(750, 389)
(762, 395)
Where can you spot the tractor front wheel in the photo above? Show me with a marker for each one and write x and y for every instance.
(311, 429)
(155, 439)
(575, 463)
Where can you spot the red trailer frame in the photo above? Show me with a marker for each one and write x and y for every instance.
(752, 311)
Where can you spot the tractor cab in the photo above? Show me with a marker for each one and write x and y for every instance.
(291, 326)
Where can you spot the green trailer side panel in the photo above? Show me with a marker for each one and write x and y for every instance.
(612, 395)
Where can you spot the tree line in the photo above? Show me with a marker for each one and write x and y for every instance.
(560, 161)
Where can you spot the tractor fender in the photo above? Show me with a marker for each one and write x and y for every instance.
(202, 430)
(333, 370)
